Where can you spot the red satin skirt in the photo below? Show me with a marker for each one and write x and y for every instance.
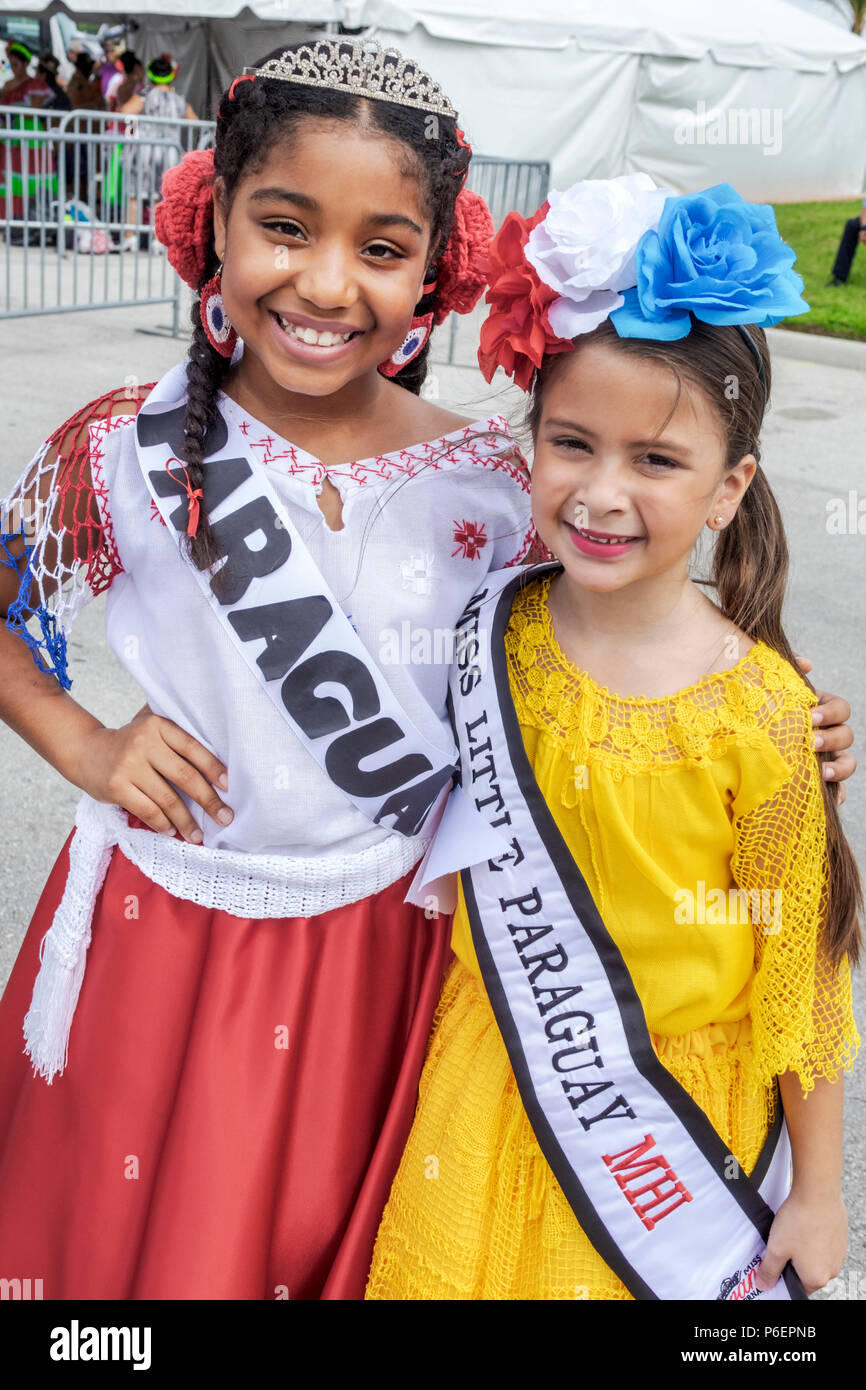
(235, 1104)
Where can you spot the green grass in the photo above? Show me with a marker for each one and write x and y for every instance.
(814, 229)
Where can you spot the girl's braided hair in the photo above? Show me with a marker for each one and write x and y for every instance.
(248, 125)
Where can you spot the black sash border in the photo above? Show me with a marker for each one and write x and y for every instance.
(743, 1188)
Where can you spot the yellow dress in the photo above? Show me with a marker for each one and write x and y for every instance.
(661, 802)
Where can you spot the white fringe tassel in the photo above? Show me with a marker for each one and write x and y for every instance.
(63, 952)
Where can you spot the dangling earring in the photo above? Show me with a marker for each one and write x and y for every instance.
(412, 344)
(214, 319)
(419, 331)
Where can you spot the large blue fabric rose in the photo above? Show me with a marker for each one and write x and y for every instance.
(715, 256)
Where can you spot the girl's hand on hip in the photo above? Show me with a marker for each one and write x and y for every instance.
(141, 766)
(810, 1232)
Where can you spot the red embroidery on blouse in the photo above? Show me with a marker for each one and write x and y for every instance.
(488, 445)
(525, 548)
(471, 538)
(473, 446)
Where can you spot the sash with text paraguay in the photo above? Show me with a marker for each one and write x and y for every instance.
(655, 1189)
(276, 608)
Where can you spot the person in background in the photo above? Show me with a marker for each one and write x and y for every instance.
(128, 96)
(20, 165)
(855, 231)
(162, 99)
(47, 69)
(85, 94)
(128, 100)
(84, 90)
(22, 89)
(110, 71)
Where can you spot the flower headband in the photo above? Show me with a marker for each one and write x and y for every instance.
(648, 260)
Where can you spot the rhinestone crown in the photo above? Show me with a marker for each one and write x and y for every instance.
(361, 67)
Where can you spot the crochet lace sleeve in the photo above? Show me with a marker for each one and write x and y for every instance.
(800, 1004)
(55, 531)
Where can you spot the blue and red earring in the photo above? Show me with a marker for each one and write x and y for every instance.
(419, 331)
(214, 319)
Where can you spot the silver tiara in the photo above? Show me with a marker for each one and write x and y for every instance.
(361, 67)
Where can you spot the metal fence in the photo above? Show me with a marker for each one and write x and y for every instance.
(77, 195)
(507, 185)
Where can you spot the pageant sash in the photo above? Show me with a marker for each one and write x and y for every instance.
(281, 616)
(650, 1181)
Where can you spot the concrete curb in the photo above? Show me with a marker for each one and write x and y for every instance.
(814, 347)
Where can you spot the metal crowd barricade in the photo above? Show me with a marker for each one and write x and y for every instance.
(509, 185)
(77, 193)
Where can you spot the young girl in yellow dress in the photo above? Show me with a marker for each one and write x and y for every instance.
(670, 738)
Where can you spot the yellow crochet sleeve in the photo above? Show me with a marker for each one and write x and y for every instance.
(800, 1004)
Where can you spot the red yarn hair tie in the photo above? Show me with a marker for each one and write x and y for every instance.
(194, 494)
(248, 77)
(464, 144)
(463, 264)
(183, 220)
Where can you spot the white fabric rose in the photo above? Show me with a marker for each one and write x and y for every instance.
(585, 247)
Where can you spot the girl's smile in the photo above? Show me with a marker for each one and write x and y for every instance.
(600, 544)
(310, 340)
(629, 467)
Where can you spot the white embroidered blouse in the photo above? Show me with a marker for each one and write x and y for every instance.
(421, 528)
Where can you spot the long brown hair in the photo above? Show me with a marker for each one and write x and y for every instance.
(750, 558)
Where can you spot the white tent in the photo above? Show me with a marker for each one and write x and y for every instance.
(756, 92)
(761, 93)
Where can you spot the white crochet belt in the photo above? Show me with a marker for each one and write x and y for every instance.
(244, 885)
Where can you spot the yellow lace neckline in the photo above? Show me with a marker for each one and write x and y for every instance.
(633, 733)
(539, 603)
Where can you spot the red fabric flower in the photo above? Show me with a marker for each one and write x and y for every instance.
(463, 263)
(183, 221)
(516, 333)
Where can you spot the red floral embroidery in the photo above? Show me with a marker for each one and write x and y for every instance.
(471, 539)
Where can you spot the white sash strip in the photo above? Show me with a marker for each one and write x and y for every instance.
(652, 1184)
(275, 607)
